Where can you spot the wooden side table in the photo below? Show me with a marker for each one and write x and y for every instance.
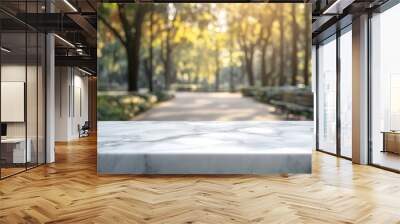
(391, 141)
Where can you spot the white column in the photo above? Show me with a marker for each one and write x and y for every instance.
(50, 100)
(50, 92)
(360, 90)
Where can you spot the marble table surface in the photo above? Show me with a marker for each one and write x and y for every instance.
(160, 146)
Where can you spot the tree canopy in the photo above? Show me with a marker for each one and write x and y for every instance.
(214, 46)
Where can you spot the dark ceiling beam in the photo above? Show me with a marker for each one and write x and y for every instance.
(62, 22)
(15, 18)
(77, 61)
(49, 22)
(91, 5)
(234, 1)
(322, 22)
(87, 51)
(11, 25)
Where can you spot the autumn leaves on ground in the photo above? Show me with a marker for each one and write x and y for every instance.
(149, 51)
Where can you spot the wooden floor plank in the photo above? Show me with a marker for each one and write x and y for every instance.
(70, 191)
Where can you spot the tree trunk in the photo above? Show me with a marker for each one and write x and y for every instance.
(167, 72)
(217, 79)
(150, 75)
(294, 46)
(249, 66)
(306, 72)
(197, 71)
(168, 63)
(242, 70)
(130, 40)
(133, 70)
(216, 67)
(273, 68)
(231, 73)
(133, 52)
(282, 75)
(264, 75)
(250, 75)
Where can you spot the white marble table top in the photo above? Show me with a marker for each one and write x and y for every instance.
(205, 137)
(239, 147)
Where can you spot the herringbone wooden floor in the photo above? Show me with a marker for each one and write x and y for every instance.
(70, 191)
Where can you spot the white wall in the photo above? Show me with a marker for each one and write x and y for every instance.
(17, 73)
(71, 102)
(33, 126)
(62, 82)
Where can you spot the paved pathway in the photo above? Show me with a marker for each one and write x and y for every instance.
(187, 106)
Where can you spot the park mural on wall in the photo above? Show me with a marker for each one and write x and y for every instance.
(150, 52)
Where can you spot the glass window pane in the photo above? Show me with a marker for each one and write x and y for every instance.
(41, 98)
(346, 94)
(327, 96)
(385, 89)
(32, 97)
(13, 86)
(23, 90)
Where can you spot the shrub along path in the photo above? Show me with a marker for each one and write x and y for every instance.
(193, 106)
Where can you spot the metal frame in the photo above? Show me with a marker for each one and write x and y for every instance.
(338, 76)
(44, 74)
(0, 90)
(389, 4)
(338, 152)
(316, 97)
(317, 100)
(369, 90)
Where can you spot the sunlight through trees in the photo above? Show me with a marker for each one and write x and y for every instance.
(212, 47)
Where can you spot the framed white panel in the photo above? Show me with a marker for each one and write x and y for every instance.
(12, 101)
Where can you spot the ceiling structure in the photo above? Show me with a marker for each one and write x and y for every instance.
(332, 15)
(74, 23)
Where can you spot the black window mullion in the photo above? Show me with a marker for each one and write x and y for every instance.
(317, 95)
(0, 93)
(44, 70)
(37, 89)
(338, 80)
(26, 86)
(369, 90)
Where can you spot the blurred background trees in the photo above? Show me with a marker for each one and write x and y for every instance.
(207, 47)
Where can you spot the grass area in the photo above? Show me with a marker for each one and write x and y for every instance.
(123, 106)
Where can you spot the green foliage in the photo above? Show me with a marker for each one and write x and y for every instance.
(125, 106)
(249, 91)
(163, 95)
(294, 100)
